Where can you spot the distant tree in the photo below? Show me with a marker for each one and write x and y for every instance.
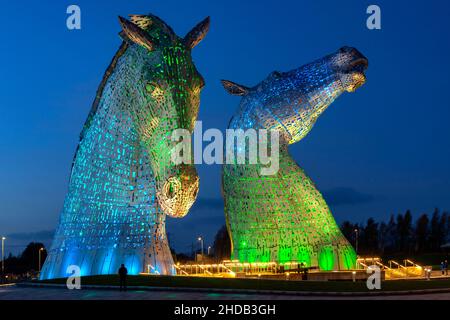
(182, 258)
(370, 237)
(444, 228)
(222, 244)
(14, 265)
(404, 231)
(30, 256)
(382, 237)
(348, 230)
(437, 230)
(447, 232)
(27, 261)
(399, 245)
(409, 231)
(422, 233)
(172, 249)
(391, 235)
(434, 229)
(399, 235)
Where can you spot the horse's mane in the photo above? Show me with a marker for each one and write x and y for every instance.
(98, 95)
(145, 22)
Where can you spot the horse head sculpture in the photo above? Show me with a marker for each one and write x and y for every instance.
(123, 182)
(283, 217)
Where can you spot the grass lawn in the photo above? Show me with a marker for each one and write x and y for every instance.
(257, 284)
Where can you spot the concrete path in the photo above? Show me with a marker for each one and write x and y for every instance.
(30, 293)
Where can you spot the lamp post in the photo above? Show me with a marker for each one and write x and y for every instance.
(3, 254)
(201, 241)
(40, 250)
(356, 240)
(209, 250)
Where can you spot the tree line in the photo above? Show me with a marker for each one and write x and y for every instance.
(402, 234)
(27, 261)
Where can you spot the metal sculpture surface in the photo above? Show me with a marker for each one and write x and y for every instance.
(283, 217)
(123, 182)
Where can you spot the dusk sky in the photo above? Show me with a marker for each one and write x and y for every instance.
(379, 151)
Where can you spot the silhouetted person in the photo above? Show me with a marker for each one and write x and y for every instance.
(305, 274)
(123, 277)
(446, 267)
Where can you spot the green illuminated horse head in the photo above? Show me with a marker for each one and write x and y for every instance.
(123, 182)
(283, 217)
(167, 96)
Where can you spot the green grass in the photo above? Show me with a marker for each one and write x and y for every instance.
(257, 284)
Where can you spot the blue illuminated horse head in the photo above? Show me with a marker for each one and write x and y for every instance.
(123, 181)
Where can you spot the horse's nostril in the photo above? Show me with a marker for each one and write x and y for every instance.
(361, 62)
(170, 191)
(171, 188)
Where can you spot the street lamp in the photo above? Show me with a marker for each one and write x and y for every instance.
(40, 250)
(209, 249)
(201, 241)
(356, 240)
(3, 254)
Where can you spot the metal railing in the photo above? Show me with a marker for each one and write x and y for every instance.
(230, 268)
(394, 270)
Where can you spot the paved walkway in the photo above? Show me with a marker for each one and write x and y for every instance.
(28, 293)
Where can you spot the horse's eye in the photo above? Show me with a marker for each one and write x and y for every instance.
(150, 87)
(154, 89)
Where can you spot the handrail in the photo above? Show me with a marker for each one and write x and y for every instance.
(153, 268)
(412, 263)
(382, 265)
(396, 263)
(225, 267)
(362, 264)
(203, 268)
(181, 270)
(200, 266)
(233, 267)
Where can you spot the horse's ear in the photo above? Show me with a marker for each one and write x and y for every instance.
(134, 33)
(197, 34)
(142, 21)
(234, 88)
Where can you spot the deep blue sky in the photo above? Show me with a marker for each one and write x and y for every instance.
(381, 150)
